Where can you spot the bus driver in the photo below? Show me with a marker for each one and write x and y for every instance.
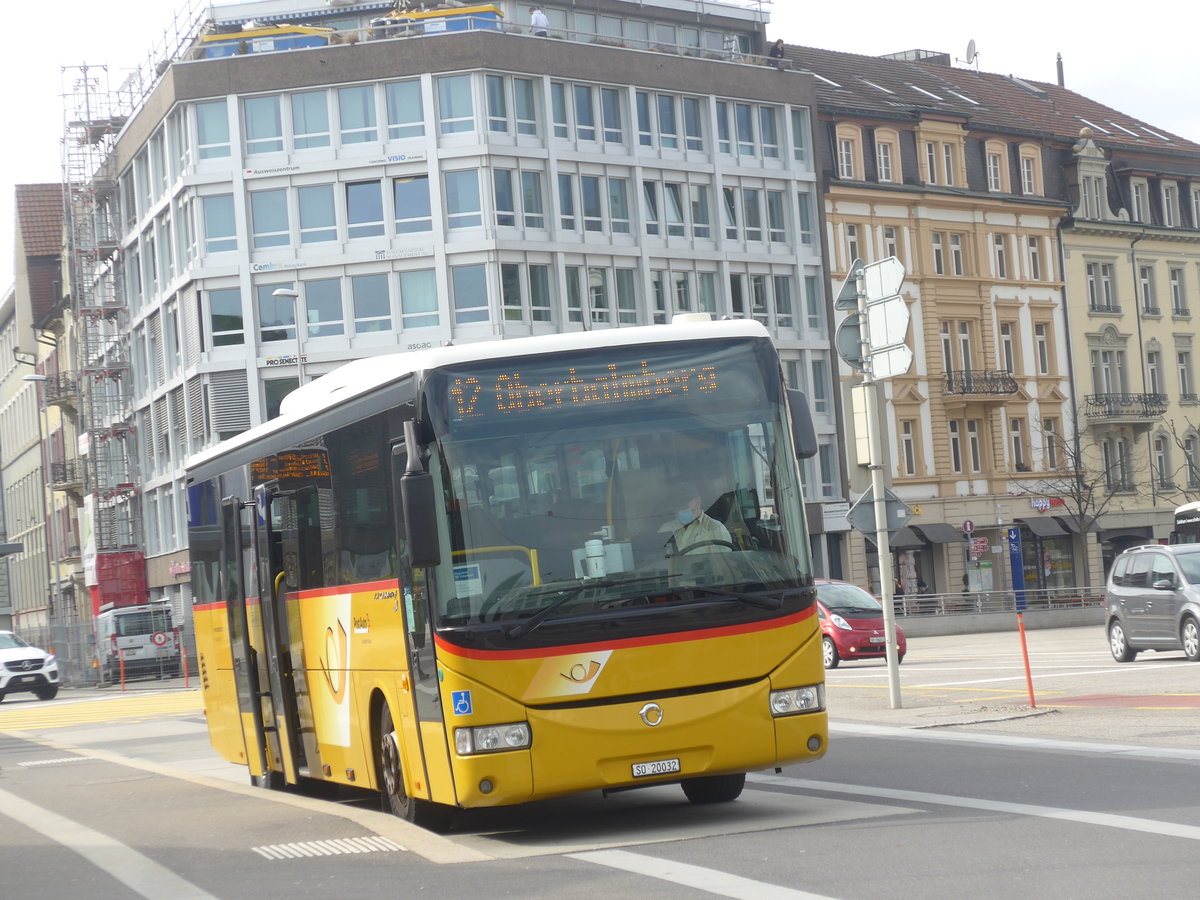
(695, 530)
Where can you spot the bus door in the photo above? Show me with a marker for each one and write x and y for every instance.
(419, 721)
(255, 709)
(274, 507)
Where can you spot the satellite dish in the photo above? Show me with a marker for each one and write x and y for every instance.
(972, 57)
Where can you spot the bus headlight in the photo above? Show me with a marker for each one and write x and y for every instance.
(492, 738)
(790, 702)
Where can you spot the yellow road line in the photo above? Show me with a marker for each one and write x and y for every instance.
(129, 706)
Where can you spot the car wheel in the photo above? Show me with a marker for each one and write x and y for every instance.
(1120, 648)
(714, 788)
(829, 651)
(47, 693)
(390, 778)
(1189, 636)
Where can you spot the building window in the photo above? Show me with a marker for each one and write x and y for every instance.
(908, 450)
(1178, 295)
(1042, 343)
(1139, 200)
(948, 163)
(462, 199)
(1162, 472)
(469, 293)
(611, 119)
(768, 131)
(956, 465)
(413, 212)
(1050, 435)
(1029, 179)
(743, 120)
(364, 209)
(220, 234)
(456, 110)
(585, 113)
(618, 206)
(693, 123)
(497, 104)
(1101, 296)
(317, 219)
(845, 158)
(405, 110)
(853, 251)
(1146, 290)
(891, 243)
(323, 315)
(1008, 358)
(974, 448)
(1153, 371)
(356, 114)
(419, 298)
(883, 161)
(1035, 258)
(804, 217)
(212, 130)
(1187, 390)
(225, 317)
(263, 124)
(820, 385)
(1170, 204)
(372, 305)
(956, 254)
(939, 259)
(276, 315)
(1016, 430)
(1000, 255)
(269, 218)
(994, 168)
(801, 140)
(1191, 453)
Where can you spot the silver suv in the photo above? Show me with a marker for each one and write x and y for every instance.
(1154, 601)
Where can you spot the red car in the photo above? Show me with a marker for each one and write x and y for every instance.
(852, 624)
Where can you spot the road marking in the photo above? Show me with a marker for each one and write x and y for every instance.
(712, 881)
(330, 847)
(938, 733)
(137, 872)
(130, 706)
(1082, 816)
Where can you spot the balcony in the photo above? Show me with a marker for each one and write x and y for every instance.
(979, 383)
(62, 389)
(1125, 408)
(67, 474)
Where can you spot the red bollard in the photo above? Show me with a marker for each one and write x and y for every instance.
(121, 661)
(1025, 654)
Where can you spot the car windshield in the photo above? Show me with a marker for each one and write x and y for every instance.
(849, 600)
(9, 641)
(1189, 562)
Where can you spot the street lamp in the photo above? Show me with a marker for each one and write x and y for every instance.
(48, 522)
(294, 296)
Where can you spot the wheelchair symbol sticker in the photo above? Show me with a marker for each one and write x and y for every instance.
(461, 700)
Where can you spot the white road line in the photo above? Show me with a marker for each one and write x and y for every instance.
(712, 881)
(137, 872)
(1082, 816)
(933, 733)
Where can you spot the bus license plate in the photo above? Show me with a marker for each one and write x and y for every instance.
(658, 767)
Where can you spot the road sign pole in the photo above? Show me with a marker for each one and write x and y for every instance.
(882, 543)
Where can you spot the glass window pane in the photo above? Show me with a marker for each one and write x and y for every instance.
(268, 215)
(413, 212)
(462, 199)
(316, 214)
(219, 231)
(456, 112)
(264, 125)
(418, 298)
(470, 293)
(212, 129)
(372, 305)
(225, 316)
(310, 120)
(323, 308)
(364, 209)
(539, 293)
(406, 115)
(356, 109)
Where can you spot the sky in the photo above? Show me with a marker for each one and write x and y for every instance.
(1144, 75)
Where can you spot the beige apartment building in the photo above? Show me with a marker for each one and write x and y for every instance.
(1038, 405)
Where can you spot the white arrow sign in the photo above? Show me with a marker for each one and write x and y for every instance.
(882, 279)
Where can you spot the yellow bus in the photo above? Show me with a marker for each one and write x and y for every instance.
(461, 576)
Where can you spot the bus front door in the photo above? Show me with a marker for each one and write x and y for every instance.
(274, 580)
(255, 709)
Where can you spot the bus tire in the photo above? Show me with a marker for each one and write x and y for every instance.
(714, 788)
(390, 778)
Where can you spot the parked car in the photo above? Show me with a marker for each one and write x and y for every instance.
(1153, 597)
(852, 624)
(26, 669)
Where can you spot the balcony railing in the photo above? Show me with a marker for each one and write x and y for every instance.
(62, 388)
(980, 381)
(1121, 407)
(66, 474)
(1106, 308)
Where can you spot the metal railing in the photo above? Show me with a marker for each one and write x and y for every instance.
(975, 602)
(980, 381)
(1125, 406)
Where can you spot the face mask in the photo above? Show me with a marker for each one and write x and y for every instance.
(685, 516)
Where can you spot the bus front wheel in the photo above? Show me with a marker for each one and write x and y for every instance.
(426, 814)
(714, 788)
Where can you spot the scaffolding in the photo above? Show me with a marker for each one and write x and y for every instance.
(95, 115)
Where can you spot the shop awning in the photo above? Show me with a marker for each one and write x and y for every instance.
(906, 539)
(1070, 524)
(1127, 532)
(939, 533)
(1043, 528)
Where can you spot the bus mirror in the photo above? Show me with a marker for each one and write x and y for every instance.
(804, 435)
(419, 498)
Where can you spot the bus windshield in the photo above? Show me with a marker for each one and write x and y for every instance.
(630, 484)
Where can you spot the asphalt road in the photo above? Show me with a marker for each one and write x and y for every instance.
(966, 790)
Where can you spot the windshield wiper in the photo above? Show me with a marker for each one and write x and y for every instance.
(762, 601)
(527, 625)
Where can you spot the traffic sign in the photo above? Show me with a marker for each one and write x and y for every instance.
(847, 295)
(861, 515)
(874, 342)
(882, 279)
(968, 526)
(158, 639)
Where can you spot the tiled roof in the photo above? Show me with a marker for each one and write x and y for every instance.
(40, 218)
(907, 89)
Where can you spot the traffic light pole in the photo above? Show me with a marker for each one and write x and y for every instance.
(882, 544)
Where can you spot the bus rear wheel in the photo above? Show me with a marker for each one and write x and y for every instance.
(714, 788)
(433, 816)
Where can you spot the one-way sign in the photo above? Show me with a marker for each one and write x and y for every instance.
(862, 514)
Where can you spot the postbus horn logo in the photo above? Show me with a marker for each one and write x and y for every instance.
(332, 664)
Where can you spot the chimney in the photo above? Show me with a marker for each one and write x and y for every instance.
(1061, 81)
